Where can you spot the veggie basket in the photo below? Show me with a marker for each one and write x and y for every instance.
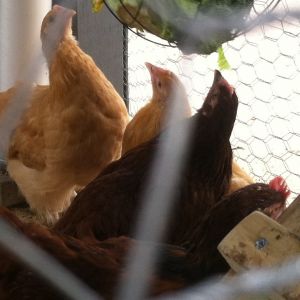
(194, 26)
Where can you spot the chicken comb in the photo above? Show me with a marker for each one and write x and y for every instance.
(280, 185)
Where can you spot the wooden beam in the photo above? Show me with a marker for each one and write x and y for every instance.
(259, 241)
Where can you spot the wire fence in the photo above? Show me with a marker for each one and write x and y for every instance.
(265, 70)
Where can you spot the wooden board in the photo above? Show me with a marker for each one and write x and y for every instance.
(244, 246)
(291, 217)
(259, 241)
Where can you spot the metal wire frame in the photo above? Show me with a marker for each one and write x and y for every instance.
(135, 20)
(8, 238)
(270, 7)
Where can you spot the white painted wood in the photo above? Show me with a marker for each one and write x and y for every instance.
(20, 23)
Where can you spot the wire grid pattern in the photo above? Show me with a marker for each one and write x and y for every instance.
(197, 86)
(265, 70)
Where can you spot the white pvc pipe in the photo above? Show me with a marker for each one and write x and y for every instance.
(20, 23)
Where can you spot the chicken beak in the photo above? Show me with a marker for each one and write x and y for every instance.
(154, 71)
(150, 67)
(218, 77)
(69, 13)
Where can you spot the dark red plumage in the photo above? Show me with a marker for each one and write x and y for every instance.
(100, 264)
(109, 205)
(224, 216)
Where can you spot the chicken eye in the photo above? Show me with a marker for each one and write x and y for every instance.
(159, 84)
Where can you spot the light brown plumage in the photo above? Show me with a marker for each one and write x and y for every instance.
(152, 118)
(72, 129)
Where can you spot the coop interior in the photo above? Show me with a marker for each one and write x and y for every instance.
(149, 149)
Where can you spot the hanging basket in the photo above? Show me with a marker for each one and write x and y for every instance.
(194, 26)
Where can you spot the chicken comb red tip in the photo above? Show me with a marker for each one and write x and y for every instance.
(280, 185)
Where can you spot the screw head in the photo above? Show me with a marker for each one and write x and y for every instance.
(261, 243)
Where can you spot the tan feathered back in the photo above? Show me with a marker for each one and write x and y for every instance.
(152, 118)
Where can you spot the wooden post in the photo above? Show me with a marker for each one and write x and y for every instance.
(103, 37)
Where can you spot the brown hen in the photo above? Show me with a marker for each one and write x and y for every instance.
(151, 118)
(109, 205)
(98, 264)
(72, 129)
(101, 264)
(225, 215)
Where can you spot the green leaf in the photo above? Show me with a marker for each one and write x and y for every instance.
(97, 5)
(222, 61)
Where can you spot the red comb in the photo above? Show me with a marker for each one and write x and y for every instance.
(280, 185)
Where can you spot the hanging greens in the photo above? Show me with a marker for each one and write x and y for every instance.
(187, 23)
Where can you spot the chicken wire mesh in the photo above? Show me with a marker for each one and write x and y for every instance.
(265, 71)
(263, 98)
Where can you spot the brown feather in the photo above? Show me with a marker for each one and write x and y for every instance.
(109, 205)
(99, 264)
(72, 129)
(223, 217)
